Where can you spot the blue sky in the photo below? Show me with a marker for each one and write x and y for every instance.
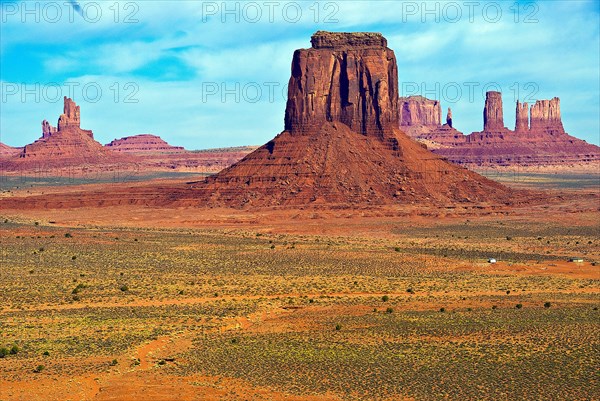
(209, 74)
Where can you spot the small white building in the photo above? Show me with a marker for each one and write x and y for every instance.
(576, 260)
(492, 260)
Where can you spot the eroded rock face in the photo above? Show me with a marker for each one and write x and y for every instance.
(540, 144)
(543, 145)
(418, 110)
(65, 145)
(522, 117)
(6, 150)
(449, 117)
(143, 144)
(493, 116)
(545, 117)
(347, 77)
(47, 129)
(71, 115)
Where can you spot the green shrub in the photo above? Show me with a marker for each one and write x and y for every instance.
(39, 369)
(389, 310)
(442, 310)
(14, 350)
(3, 352)
(68, 235)
(547, 305)
(519, 306)
(385, 298)
(338, 327)
(124, 288)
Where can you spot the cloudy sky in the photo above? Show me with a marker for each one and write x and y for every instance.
(207, 74)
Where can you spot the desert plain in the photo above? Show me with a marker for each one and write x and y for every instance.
(310, 303)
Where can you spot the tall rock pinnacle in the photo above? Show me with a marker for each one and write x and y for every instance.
(493, 117)
(71, 115)
(345, 77)
(522, 117)
(47, 129)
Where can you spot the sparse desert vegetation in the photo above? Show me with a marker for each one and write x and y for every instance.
(332, 316)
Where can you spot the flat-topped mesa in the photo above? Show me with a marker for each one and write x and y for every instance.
(144, 144)
(347, 77)
(343, 40)
(47, 129)
(545, 117)
(418, 110)
(493, 116)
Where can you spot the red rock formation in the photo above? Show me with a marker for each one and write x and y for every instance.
(544, 144)
(545, 117)
(352, 79)
(6, 150)
(47, 129)
(419, 111)
(493, 116)
(522, 117)
(71, 115)
(342, 144)
(420, 119)
(143, 144)
(68, 145)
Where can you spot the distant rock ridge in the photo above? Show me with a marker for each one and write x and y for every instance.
(539, 138)
(6, 150)
(143, 144)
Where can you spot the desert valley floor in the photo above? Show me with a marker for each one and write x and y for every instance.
(387, 303)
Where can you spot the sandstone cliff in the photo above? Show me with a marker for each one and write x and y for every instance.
(419, 111)
(545, 117)
(493, 114)
(352, 79)
(522, 117)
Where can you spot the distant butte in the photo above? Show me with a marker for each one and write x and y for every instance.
(143, 144)
(538, 141)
